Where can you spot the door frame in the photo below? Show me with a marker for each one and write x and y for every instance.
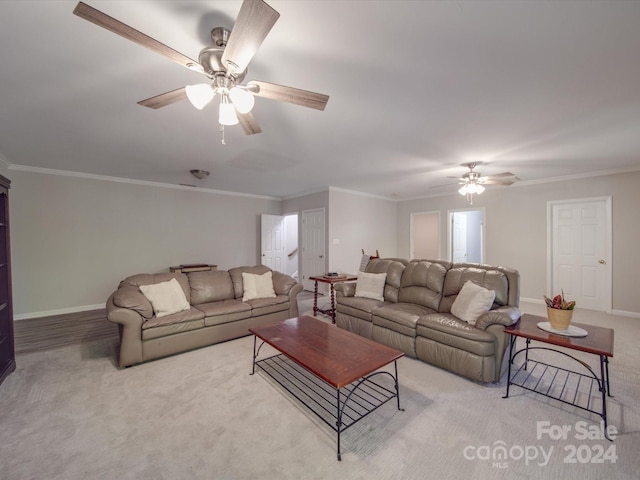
(412, 248)
(608, 238)
(450, 230)
(302, 274)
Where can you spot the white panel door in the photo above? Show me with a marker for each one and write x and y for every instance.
(579, 253)
(273, 242)
(459, 235)
(313, 246)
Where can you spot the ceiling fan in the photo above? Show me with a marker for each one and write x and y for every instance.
(473, 182)
(224, 63)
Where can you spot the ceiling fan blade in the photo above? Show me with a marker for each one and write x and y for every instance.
(444, 185)
(249, 123)
(164, 99)
(105, 21)
(253, 24)
(503, 174)
(496, 181)
(289, 94)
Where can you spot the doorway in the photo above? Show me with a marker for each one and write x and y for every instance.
(466, 235)
(425, 235)
(279, 243)
(580, 251)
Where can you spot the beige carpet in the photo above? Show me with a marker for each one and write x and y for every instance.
(71, 414)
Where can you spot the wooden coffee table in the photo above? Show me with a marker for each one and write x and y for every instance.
(329, 370)
(579, 389)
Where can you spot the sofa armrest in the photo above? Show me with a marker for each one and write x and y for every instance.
(293, 299)
(505, 316)
(343, 289)
(130, 328)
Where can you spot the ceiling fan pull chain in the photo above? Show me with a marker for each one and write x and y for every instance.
(222, 130)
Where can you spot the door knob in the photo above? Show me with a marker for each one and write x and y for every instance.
(320, 256)
(602, 261)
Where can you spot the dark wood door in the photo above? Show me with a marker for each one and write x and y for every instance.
(7, 350)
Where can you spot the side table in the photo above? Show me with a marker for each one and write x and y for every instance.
(579, 389)
(331, 280)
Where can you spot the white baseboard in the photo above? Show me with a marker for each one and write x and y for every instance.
(532, 300)
(625, 314)
(60, 311)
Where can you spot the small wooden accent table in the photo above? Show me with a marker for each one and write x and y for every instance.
(567, 386)
(195, 267)
(318, 362)
(331, 311)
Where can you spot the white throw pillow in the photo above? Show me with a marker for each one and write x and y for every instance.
(371, 285)
(166, 297)
(472, 301)
(257, 286)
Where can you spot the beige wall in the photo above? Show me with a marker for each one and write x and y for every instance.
(516, 229)
(426, 235)
(359, 222)
(73, 239)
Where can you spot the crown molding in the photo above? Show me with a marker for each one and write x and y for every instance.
(564, 178)
(362, 194)
(5, 163)
(106, 178)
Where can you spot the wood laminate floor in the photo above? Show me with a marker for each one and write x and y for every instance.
(45, 333)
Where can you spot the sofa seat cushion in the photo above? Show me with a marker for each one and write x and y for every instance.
(263, 306)
(155, 327)
(401, 317)
(168, 330)
(448, 330)
(361, 304)
(224, 311)
(180, 317)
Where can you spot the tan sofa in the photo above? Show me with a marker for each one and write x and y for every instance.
(415, 316)
(217, 312)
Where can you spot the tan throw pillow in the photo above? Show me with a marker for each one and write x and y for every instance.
(166, 298)
(371, 285)
(472, 301)
(257, 286)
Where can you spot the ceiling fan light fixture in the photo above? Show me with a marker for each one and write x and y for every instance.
(471, 188)
(200, 95)
(199, 174)
(242, 99)
(227, 114)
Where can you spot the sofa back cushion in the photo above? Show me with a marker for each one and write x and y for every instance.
(210, 286)
(491, 278)
(153, 278)
(422, 283)
(236, 277)
(282, 283)
(393, 268)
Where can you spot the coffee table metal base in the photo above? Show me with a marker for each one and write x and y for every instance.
(339, 408)
(567, 386)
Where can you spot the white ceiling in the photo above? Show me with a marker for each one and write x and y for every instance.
(538, 88)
